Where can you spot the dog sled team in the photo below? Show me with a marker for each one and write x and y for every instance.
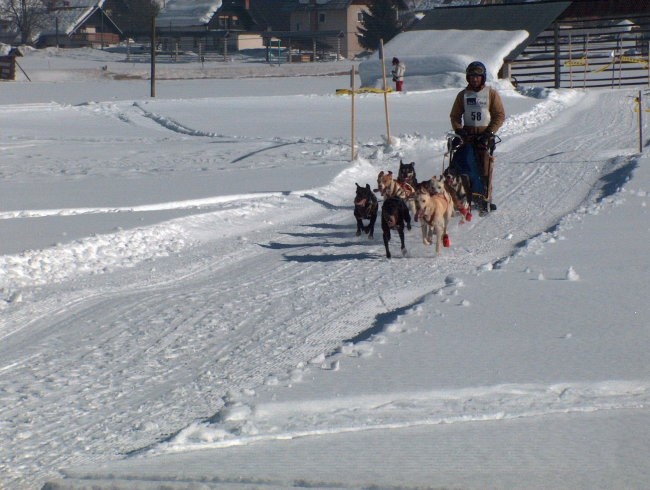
(476, 115)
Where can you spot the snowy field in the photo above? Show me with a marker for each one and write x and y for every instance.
(184, 302)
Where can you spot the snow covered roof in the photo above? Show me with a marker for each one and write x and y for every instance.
(70, 15)
(530, 17)
(186, 13)
(327, 4)
(436, 59)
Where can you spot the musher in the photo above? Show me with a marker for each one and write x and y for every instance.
(477, 114)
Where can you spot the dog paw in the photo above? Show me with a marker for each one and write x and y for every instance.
(408, 226)
(404, 252)
(358, 232)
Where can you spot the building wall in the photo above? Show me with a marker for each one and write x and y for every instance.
(351, 40)
(345, 21)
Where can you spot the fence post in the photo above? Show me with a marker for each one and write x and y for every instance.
(383, 75)
(153, 56)
(556, 41)
(584, 77)
(640, 123)
(570, 62)
(352, 136)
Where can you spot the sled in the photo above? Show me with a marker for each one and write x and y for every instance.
(463, 161)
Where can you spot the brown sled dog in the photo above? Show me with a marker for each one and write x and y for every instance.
(459, 188)
(389, 187)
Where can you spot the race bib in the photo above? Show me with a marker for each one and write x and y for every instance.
(477, 110)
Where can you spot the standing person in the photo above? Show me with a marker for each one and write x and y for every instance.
(398, 74)
(477, 113)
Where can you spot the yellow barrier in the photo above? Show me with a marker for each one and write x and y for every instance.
(631, 59)
(624, 59)
(362, 90)
(578, 62)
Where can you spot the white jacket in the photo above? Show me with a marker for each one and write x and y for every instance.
(398, 72)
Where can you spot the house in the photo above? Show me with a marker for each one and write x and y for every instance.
(77, 23)
(218, 25)
(329, 26)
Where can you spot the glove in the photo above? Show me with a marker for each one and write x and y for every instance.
(461, 132)
(485, 137)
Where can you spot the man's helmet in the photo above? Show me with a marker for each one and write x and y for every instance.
(476, 68)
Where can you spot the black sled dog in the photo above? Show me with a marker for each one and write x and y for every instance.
(394, 215)
(365, 207)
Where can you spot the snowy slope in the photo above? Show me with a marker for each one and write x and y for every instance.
(193, 260)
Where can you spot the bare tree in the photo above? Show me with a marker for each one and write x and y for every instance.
(26, 16)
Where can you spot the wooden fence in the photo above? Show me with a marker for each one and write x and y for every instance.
(607, 52)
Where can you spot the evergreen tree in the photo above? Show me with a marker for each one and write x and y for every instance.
(379, 22)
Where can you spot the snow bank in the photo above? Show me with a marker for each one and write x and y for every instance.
(436, 59)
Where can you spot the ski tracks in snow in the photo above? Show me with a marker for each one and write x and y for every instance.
(540, 178)
(262, 304)
(238, 423)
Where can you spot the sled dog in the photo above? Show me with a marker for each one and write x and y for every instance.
(435, 209)
(389, 187)
(406, 177)
(365, 208)
(459, 188)
(394, 215)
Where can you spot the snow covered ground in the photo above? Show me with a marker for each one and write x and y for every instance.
(184, 302)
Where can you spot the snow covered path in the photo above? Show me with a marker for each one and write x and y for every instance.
(246, 294)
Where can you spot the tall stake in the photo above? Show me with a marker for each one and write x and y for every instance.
(352, 136)
(383, 74)
(640, 123)
(153, 56)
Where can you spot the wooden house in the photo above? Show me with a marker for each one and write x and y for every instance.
(77, 23)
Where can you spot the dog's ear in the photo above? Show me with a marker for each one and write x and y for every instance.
(401, 162)
(368, 186)
(413, 163)
(381, 174)
(390, 172)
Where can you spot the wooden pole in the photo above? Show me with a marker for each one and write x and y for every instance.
(352, 135)
(556, 42)
(383, 74)
(584, 77)
(153, 56)
(570, 63)
(640, 123)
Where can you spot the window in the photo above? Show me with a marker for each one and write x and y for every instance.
(321, 18)
(360, 16)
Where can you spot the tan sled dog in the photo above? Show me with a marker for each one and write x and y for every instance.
(389, 187)
(435, 210)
